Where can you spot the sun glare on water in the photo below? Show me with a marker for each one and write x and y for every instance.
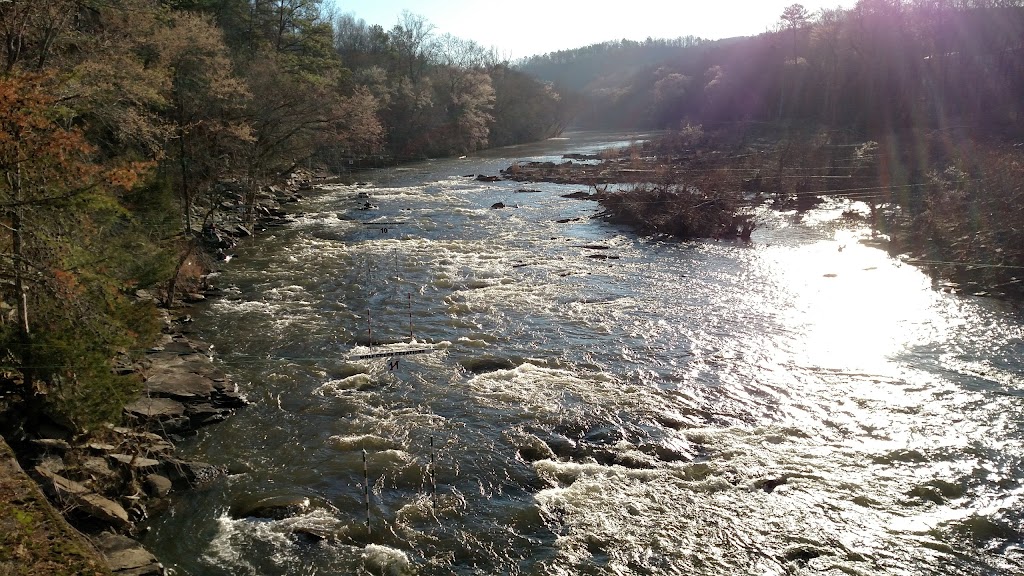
(853, 305)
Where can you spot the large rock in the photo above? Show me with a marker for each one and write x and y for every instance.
(155, 409)
(126, 557)
(178, 347)
(99, 470)
(229, 398)
(77, 495)
(158, 486)
(203, 414)
(191, 473)
(135, 462)
(276, 507)
(179, 385)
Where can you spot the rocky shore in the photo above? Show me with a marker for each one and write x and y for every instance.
(105, 483)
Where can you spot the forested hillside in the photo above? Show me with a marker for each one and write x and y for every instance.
(126, 125)
(884, 65)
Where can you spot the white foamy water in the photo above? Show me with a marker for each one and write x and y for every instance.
(804, 404)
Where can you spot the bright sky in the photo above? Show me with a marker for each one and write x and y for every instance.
(526, 27)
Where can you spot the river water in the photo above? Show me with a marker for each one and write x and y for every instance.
(596, 402)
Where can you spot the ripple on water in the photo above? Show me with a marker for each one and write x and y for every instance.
(803, 403)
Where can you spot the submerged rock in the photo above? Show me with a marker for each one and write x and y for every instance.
(384, 561)
(485, 364)
(530, 447)
(275, 507)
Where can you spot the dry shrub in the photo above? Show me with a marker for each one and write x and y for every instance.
(973, 209)
(677, 210)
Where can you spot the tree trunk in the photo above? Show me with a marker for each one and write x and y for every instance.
(172, 284)
(186, 196)
(20, 289)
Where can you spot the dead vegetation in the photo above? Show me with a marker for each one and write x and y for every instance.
(34, 538)
(950, 201)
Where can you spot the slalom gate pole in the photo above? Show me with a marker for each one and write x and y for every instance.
(433, 477)
(366, 491)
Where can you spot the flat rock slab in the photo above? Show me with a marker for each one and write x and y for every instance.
(91, 503)
(126, 556)
(156, 408)
(203, 414)
(178, 347)
(179, 385)
(135, 461)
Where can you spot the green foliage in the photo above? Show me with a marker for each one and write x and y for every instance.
(82, 393)
(119, 122)
(72, 345)
(139, 243)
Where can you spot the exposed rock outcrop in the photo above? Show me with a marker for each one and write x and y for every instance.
(126, 557)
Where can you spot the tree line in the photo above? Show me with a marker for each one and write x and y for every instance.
(122, 120)
(911, 106)
(883, 65)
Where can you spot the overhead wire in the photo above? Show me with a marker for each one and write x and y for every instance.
(847, 193)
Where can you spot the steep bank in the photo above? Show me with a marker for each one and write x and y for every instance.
(34, 537)
(104, 481)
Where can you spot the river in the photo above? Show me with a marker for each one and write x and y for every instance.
(597, 402)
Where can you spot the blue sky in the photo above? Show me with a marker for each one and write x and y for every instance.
(528, 27)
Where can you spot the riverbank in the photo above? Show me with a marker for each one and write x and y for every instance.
(950, 203)
(694, 381)
(34, 537)
(102, 482)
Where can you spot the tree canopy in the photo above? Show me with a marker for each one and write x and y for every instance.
(123, 123)
(881, 65)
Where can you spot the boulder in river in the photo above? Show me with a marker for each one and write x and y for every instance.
(157, 485)
(530, 447)
(275, 507)
(484, 364)
(191, 473)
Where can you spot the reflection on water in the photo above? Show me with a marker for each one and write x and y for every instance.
(801, 404)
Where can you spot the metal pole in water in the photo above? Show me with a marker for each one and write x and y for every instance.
(411, 337)
(366, 491)
(433, 478)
